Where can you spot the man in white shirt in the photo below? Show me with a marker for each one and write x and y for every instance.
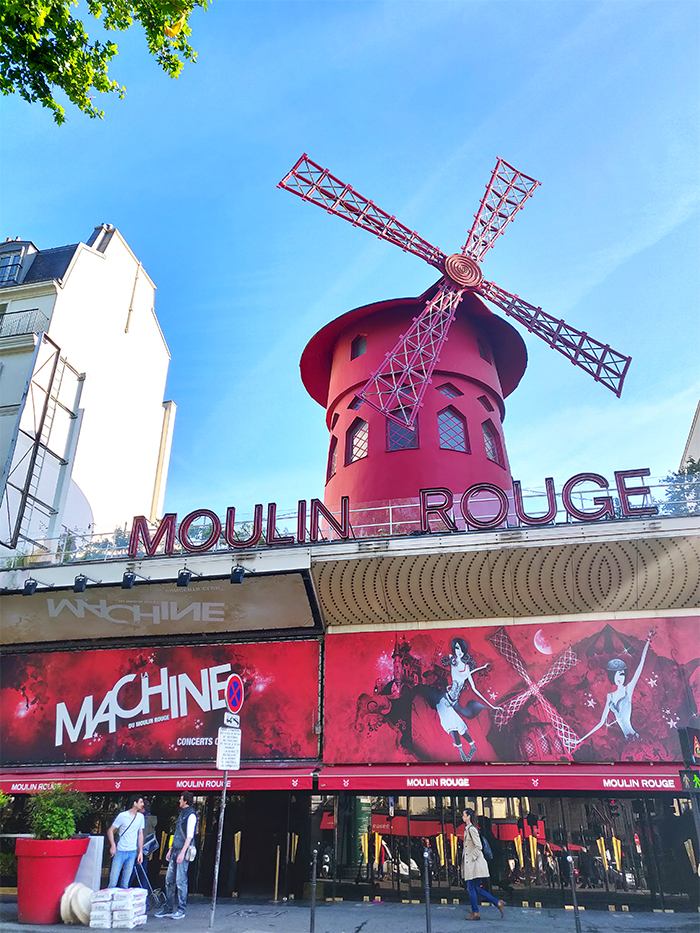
(129, 849)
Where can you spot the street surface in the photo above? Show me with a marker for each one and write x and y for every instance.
(233, 916)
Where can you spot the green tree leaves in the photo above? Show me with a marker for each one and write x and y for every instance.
(43, 48)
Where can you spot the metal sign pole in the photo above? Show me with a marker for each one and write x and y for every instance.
(215, 883)
(426, 861)
(312, 918)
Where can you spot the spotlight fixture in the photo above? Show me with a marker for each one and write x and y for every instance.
(185, 575)
(30, 584)
(81, 581)
(237, 574)
(130, 577)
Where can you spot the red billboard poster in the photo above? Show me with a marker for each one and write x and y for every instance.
(158, 704)
(571, 691)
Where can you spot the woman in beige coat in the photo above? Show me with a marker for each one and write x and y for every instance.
(475, 867)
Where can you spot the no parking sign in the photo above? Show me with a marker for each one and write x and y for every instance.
(235, 693)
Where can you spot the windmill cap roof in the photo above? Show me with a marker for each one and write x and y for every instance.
(508, 346)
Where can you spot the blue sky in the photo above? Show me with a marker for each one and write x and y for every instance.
(411, 103)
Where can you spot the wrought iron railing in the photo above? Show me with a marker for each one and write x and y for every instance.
(23, 322)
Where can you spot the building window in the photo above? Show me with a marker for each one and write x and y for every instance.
(400, 436)
(492, 443)
(335, 420)
(358, 346)
(485, 402)
(355, 403)
(356, 441)
(452, 428)
(483, 351)
(449, 391)
(332, 458)
(9, 268)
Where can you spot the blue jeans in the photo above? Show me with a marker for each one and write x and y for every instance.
(476, 891)
(122, 867)
(176, 884)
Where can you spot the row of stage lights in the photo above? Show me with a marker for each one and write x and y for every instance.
(81, 581)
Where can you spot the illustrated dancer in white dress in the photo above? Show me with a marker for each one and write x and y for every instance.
(619, 702)
(452, 714)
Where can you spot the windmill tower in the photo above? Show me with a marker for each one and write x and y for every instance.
(406, 408)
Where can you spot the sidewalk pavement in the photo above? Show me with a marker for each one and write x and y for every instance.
(241, 916)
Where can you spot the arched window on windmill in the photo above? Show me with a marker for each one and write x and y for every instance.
(452, 430)
(359, 346)
(332, 457)
(492, 443)
(356, 441)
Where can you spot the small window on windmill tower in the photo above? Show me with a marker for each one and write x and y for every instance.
(483, 351)
(358, 346)
(356, 441)
(332, 458)
(492, 443)
(449, 391)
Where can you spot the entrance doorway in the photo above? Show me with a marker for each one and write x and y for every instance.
(264, 848)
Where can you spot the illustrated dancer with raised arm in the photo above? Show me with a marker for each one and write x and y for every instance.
(619, 702)
(452, 714)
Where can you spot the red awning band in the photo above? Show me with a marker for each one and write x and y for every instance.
(87, 779)
(643, 779)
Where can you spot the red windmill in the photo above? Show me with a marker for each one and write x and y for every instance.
(397, 387)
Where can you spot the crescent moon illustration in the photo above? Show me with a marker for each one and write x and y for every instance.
(541, 642)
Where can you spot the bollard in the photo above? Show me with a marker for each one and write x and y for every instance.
(312, 919)
(577, 917)
(426, 860)
(277, 874)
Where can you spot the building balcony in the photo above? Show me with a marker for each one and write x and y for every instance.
(17, 323)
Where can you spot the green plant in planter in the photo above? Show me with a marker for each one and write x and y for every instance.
(53, 812)
(5, 806)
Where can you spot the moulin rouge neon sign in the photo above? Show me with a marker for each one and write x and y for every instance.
(435, 504)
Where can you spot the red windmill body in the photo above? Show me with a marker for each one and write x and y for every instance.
(406, 408)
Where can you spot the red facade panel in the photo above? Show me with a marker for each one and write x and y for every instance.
(582, 692)
(158, 704)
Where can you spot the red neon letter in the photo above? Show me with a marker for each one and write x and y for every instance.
(213, 536)
(626, 491)
(230, 531)
(605, 502)
(301, 521)
(271, 530)
(166, 529)
(439, 508)
(341, 528)
(498, 518)
(551, 504)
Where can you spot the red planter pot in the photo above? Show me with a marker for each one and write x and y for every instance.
(45, 868)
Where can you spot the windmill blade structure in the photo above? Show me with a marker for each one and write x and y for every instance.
(397, 388)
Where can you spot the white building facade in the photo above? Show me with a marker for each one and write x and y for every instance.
(85, 432)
